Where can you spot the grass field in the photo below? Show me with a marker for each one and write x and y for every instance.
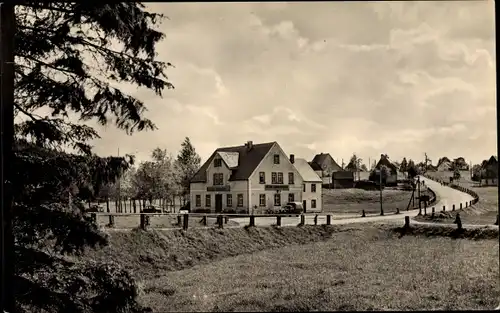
(355, 200)
(310, 268)
(483, 212)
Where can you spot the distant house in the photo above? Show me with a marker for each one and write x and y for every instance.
(461, 164)
(489, 172)
(444, 164)
(312, 192)
(324, 165)
(392, 178)
(343, 179)
(359, 174)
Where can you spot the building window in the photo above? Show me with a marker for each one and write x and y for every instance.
(218, 179)
(217, 162)
(229, 200)
(277, 199)
(280, 178)
(313, 204)
(291, 180)
(208, 201)
(304, 188)
(291, 197)
(276, 159)
(262, 178)
(262, 200)
(240, 199)
(198, 200)
(313, 187)
(274, 179)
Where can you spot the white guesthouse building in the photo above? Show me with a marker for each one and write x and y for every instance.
(253, 178)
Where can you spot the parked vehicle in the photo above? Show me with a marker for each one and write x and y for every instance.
(289, 208)
(151, 209)
(186, 208)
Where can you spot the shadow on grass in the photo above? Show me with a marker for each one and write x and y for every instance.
(435, 231)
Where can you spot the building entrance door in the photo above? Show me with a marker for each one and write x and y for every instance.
(218, 203)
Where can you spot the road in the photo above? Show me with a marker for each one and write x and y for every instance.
(447, 196)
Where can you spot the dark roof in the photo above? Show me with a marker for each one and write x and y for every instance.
(315, 166)
(385, 161)
(247, 162)
(322, 157)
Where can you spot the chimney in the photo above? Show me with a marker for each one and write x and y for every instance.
(292, 158)
(249, 145)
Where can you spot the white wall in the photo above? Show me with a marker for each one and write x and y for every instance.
(308, 196)
(267, 166)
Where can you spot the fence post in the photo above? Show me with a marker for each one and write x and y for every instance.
(444, 208)
(433, 211)
(363, 214)
(419, 211)
(226, 219)
(470, 203)
(302, 219)
(142, 222)
(252, 221)
(458, 221)
(111, 221)
(93, 217)
(220, 221)
(316, 220)
(425, 211)
(466, 204)
(179, 220)
(204, 220)
(407, 222)
(453, 208)
(460, 205)
(328, 219)
(186, 222)
(397, 211)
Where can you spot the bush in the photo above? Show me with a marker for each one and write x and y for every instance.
(229, 211)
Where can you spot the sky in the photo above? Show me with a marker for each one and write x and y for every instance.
(399, 78)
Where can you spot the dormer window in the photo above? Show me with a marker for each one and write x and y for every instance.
(276, 159)
(217, 162)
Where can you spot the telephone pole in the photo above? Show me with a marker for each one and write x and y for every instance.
(7, 31)
(119, 208)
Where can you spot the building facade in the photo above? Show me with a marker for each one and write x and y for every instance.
(312, 192)
(245, 179)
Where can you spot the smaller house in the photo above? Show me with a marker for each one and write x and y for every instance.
(326, 164)
(461, 164)
(489, 172)
(343, 179)
(312, 192)
(444, 164)
(392, 177)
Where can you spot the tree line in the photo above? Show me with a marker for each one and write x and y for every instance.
(164, 179)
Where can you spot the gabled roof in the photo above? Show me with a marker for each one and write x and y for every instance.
(248, 161)
(306, 171)
(315, 166)
(322, 157)
(385, 161)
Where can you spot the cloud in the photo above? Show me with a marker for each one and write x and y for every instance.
(401, 78)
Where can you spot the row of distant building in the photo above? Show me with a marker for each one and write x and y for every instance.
(259, 177)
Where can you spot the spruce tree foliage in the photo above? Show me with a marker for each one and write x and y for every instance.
(189, 163)
(72, 60)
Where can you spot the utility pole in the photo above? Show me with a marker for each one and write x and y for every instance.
(380, 182)
(7, 31)
(418, 186)
(119, 187)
